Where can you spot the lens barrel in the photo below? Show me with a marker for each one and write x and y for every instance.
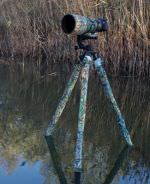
(72, 23)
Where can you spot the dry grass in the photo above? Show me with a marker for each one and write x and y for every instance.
(32, 29)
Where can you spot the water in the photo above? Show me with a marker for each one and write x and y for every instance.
(27, 102)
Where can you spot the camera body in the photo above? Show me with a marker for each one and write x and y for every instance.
(72, 23)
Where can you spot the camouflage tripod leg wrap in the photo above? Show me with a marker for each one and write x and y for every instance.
(64, 99)
(108, 91)
(82, 112)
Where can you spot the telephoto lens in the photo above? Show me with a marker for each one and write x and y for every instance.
(72, 23)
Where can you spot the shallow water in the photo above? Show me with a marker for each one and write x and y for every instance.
(27, 102)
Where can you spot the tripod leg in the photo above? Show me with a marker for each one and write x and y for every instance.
(81, 117)
(64, 99)
(108, 91)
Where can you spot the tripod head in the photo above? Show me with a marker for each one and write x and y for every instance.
(87, 48)
(84, 37)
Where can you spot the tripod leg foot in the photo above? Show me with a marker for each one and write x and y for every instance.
(77, 176)
(63, 101)
(108, 91)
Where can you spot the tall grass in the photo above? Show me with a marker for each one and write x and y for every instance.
(32, 29)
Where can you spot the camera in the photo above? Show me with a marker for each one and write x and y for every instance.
(72, 23)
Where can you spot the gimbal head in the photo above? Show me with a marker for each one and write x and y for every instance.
(81, 38)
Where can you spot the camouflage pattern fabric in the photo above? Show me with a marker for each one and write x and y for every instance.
(63, 101)
(82, 112)
(108, 91)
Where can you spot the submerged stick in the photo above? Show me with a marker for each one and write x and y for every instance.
(63, 101)
(108, 91)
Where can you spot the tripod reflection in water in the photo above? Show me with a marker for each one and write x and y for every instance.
(56, 160)
(61, 175)
(118, 163)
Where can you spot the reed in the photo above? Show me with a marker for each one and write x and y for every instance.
(31, 29)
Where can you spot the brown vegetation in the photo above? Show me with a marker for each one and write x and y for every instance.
(32, 29)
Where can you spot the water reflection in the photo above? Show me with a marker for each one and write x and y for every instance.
(58, 167)
(118, 163)
(56, 160)
(26, 104)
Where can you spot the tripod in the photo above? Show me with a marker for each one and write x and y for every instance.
(87, 58)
